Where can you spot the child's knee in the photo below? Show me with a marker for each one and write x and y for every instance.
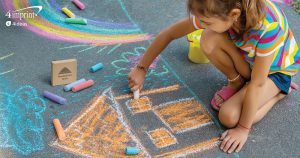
(210, 40)
(228, 117)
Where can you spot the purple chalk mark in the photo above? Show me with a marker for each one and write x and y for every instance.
(135, 60)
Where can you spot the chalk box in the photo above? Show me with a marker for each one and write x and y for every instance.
(63, 71)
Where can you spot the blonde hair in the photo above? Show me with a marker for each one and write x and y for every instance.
(252, 11)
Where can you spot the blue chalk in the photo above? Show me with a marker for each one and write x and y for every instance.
(71, 85)
(132, 151)
(96, 67)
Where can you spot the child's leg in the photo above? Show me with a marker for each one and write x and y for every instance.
(230, 111)
(226, 57)
(267, 107)
(222, 53)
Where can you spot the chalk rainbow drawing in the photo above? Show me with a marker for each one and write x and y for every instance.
(21, 120)
(50, 23)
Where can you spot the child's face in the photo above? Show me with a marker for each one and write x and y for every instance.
(218, 24)
(215, 24)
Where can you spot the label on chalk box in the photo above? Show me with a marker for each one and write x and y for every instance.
(64, 71)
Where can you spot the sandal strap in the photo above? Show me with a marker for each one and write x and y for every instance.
(236, 78)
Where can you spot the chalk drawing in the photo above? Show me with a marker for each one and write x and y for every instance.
(89, 48)
(122, 64)
(135, 60)
(114, 48)
(110, 121)
(74, 46)
(100, 130)
(152, 91)
(287, 2)
(6, 72)
(180, 116)
(102, 49)
(50, 24)
(103, 130)
(140, 105)
(22, 121)
(200, 147)
(5, 57)
(162, 137)
(183, 115)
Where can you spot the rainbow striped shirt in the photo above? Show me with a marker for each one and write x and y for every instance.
(273, 36)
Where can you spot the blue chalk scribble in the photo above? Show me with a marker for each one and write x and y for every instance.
(21, 119)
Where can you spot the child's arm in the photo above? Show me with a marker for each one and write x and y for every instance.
(265, 52)
(169, 34)
(256, 89)
(137, 76)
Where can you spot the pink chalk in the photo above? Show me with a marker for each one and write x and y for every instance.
(83, 85)
(79, 4)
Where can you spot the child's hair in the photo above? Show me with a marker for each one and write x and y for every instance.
(252, 11)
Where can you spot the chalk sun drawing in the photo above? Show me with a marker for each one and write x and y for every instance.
(22, 121)
(50, 24)
(129, 59)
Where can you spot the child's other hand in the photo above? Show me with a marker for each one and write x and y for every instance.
(136, 79)
(234, 139)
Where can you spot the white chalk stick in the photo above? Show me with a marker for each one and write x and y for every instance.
(136, 94)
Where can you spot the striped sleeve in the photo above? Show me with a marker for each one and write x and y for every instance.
(196, 22)
(271, 40)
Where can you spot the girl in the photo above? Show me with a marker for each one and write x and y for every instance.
(247, 40)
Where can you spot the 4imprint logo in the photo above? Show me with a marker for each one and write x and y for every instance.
(24, 13)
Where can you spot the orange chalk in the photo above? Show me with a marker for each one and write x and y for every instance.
(83, 86)
(59, 130)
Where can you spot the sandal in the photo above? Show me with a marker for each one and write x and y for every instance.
(225, 93)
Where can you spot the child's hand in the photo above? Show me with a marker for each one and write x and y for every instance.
(234, 139)
(136, 79)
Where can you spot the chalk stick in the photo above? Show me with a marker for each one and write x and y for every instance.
(136, 94)
(54, 97)
(68, 12)
(96, 67)
(76, 21)
(83, 85)
(71, 85)
(79, 4)
(132, 151)
(59, 130)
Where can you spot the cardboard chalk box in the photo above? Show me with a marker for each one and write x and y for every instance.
(63, 71)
